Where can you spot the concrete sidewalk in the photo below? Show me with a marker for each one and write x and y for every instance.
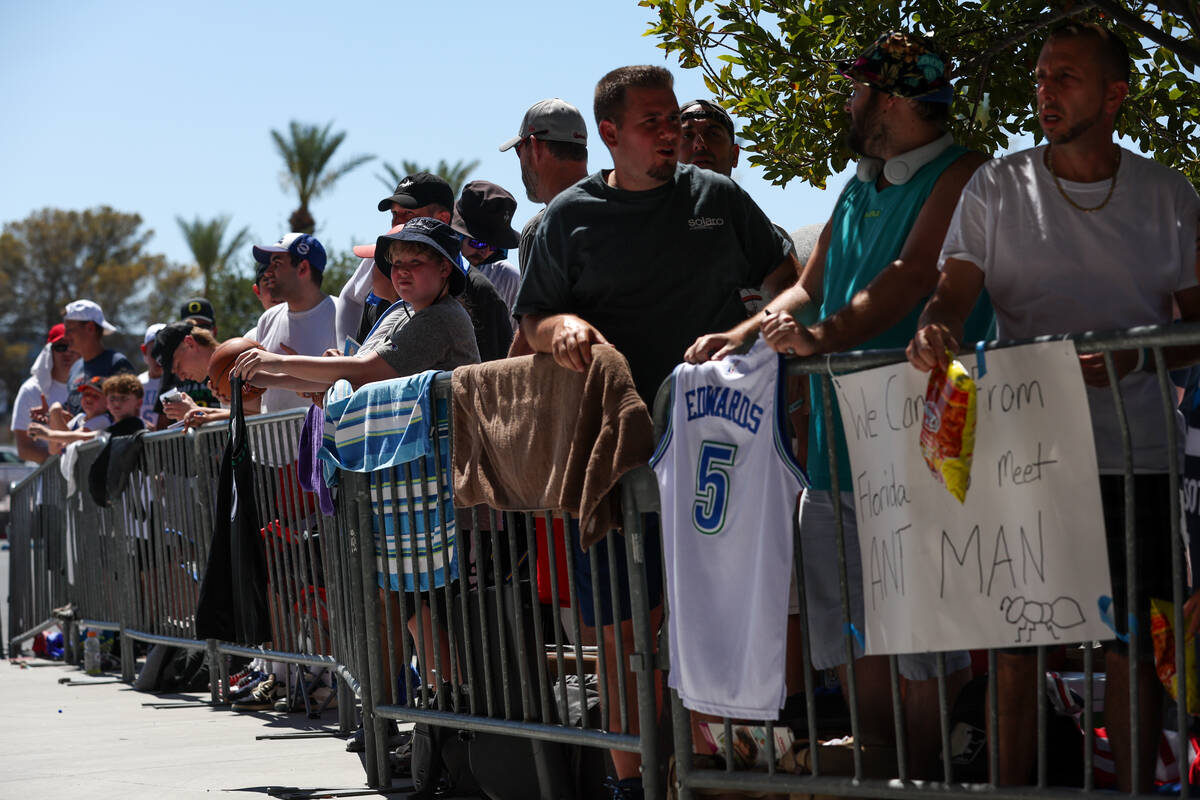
(93, 737)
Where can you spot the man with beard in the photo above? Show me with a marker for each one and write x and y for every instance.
(646, 256)
(551, 145)
(874, 264)
(1081, 234)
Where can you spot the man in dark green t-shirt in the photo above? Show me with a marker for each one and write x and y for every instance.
(649, 255)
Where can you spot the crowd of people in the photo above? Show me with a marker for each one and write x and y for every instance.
(667, 259)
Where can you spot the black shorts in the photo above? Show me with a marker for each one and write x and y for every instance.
(1152, 550)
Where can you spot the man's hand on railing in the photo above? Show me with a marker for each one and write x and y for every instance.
(931, 347)
(786, 335)
(571, 343)
(712, 347)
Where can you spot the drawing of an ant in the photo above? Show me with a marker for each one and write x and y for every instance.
(1027, 615)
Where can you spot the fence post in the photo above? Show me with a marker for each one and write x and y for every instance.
(365, 620)
(642, 659)
(215, 659)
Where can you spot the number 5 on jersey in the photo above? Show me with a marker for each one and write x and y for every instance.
(712, 486)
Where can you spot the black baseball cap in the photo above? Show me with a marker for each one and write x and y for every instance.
(167, 341)
(198, 308)
(419, 190)
(429, 231)
(707, 109)
(485, 212)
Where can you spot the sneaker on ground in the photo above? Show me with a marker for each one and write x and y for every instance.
(246, 689)
(261, 699)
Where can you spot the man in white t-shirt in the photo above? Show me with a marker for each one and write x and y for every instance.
(151, 379)
(47, 384)
(1078, 235)
(305, 322)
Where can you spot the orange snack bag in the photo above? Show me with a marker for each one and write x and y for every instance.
(1162, 633)
(948, 430)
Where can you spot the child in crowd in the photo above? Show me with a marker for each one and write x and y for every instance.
(426, 329)
(123, 395)
(110, 403)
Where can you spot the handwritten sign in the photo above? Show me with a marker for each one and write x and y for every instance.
(1023, 561)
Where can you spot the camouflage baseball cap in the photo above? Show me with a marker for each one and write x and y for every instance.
(903, 64)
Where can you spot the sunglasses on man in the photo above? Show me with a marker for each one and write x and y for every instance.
(59, 347)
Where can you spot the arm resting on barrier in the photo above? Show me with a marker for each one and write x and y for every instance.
(37, 431)
(310, 373)
(942, 321)
(791, 293)
(567, 337)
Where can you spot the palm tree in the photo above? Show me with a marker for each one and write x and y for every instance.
(206, 240)
(454, 174)
(306, 151)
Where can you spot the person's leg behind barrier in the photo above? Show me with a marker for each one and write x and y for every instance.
(827, 642)
(611, 571)
(1153, 567)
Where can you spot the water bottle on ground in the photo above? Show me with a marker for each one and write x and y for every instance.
(91, 653)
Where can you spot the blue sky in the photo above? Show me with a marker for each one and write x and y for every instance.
(164, 109)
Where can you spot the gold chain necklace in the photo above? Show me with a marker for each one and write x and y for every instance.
(1067, 197)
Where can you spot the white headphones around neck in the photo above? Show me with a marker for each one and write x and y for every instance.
(901, 169)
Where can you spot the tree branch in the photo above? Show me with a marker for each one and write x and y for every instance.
(1142, 28)
(1023, 33)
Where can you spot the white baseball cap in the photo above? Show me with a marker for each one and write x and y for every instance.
(87, 311)
(152, 331)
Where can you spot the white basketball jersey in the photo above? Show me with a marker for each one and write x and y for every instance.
(728, 483)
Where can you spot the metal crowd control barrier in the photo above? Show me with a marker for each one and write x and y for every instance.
(504, 648)
(691, 779)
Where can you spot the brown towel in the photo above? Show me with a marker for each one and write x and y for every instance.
(531, 435)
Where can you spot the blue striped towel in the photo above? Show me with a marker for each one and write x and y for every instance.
(387, 429)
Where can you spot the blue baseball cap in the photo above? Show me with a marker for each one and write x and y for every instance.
(302, 246)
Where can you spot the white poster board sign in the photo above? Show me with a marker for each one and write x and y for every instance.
(1023, 560)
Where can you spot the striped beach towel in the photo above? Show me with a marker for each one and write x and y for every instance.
(388, 429)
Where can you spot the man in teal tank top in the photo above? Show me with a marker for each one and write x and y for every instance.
(863, 287)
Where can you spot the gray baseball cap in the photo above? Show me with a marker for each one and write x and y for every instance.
(551, 120)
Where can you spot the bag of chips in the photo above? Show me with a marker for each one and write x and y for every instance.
(1162, 633)
(948, 431)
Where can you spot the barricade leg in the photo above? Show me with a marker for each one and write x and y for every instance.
(641, 661)
(216, 664)
(364, 608)
(128, 660)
